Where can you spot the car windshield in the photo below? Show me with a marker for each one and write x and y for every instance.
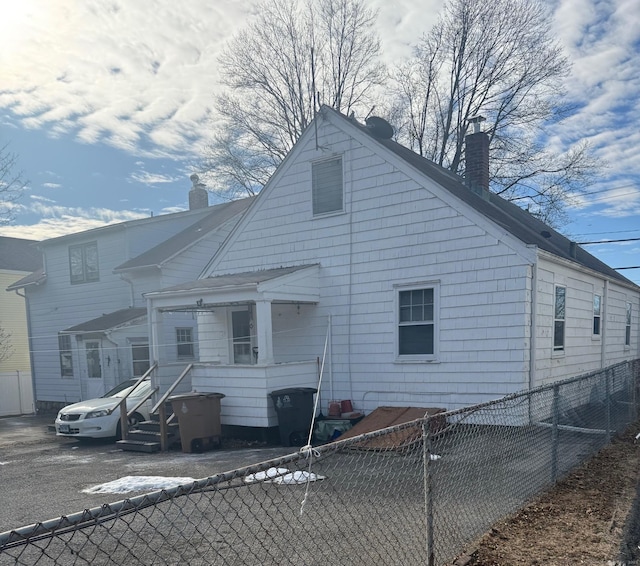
(141, 391)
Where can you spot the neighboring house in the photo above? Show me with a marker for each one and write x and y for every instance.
(420, 290)
(88, 316)
(18, 258)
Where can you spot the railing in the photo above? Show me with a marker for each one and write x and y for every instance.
(124, 414)
(161, 408)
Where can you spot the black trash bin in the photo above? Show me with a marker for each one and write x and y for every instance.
(294, 407)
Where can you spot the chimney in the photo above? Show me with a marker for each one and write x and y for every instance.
(477, 157)
(198, 196)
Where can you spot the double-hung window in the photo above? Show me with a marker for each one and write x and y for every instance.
(416, 323)
(326, 186)
(559, 318)
(184, 339)
(627, 328)
(597, 314)
(83, 263)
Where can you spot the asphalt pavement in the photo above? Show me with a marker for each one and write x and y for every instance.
(43, 476)
(27, 428)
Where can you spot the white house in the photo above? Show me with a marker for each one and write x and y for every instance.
(88, 318)
(404, 284)
(18, 258)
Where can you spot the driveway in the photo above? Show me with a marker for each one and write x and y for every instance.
(43, 475)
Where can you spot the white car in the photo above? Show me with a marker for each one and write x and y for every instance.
(100, 418)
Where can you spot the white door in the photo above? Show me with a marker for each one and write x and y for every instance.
(92, 381)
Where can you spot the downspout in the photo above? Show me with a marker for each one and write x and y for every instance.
(131, 292)
(533, 325)
(603, 325)
(27, 309)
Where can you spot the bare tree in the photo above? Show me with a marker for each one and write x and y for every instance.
(274, 69)
(496, 59)
(12, 185)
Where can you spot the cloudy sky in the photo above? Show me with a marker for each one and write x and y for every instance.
(107, 104)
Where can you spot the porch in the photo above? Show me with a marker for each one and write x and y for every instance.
(255, 335)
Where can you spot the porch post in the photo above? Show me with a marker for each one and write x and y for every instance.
(264, 332)
(154, 354)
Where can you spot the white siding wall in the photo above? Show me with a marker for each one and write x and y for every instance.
(394, 232)
(583, 351)
(58, 305)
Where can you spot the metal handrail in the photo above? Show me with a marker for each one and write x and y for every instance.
(124, 414)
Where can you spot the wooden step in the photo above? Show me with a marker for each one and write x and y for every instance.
(138, 446)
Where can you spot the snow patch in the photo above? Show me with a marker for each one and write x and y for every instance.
(282, 476)
(138, 483)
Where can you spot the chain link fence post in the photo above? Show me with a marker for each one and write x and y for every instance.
(555, 417)
(607, 379)
(428, 493)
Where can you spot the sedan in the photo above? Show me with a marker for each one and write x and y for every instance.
(100, 418)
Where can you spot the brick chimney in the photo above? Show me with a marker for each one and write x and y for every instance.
(198, 195)
(477, 157)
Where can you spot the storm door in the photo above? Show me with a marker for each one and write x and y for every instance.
(242, 336)
(92, 380)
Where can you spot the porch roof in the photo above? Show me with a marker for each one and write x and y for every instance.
(108, 321)
(286, 284)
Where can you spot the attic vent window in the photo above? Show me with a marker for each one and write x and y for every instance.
(326, 186)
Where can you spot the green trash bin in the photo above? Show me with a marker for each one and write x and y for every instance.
(199, 420)
(294, 407)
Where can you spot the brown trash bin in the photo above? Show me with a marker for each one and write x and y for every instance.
(199, 420)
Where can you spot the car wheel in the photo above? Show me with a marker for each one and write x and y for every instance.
(135, 419)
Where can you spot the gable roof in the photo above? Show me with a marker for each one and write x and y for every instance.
(116, 226)
(520, 223)
(18, 254)
(168, 249)
(109, 321)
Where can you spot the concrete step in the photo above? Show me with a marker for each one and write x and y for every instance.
(154, 426)
(138, 446)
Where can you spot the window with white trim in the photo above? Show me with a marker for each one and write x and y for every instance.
(559, 318)
(416, 323)
(627, 328)
(597, 314)
(66, 358)
(140, 358)
(83, 263)
(184, 339)
(326, 186)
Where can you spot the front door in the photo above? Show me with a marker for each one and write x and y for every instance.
(92, 381)
(242, 336)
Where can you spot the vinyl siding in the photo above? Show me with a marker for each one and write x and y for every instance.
(394, 231)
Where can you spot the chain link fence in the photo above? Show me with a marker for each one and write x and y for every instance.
(416, 493)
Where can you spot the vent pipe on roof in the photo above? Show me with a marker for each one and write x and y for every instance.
(198, 195)
(477, 157)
